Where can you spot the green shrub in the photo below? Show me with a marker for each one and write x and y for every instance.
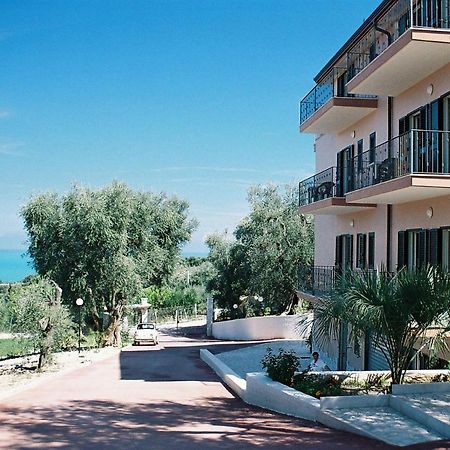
(318, 385)
(281, 367)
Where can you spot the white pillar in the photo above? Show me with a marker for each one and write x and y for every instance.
(209, 315)
(144, 315)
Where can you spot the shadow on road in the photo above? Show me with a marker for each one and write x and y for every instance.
(217, 423)
(174, 362)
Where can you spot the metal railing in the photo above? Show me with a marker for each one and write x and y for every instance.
(402, 15)
(333, 85)
(416, 151)
(323, 281)
(317, 280)
(318, 187)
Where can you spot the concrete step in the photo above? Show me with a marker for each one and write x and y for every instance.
(431, 409)
(379, 422)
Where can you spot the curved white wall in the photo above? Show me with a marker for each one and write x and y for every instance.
(259, 328)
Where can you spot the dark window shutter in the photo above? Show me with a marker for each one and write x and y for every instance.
(349, 251)
(372, 145)
(422, 248)
(371, 251)
(402, 254)
(338, 262)
(434, 247)
(358, 250)
(350, 171)
(339, 174)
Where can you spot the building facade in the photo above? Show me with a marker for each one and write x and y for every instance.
(380, 111)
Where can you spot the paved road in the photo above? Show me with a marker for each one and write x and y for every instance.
(154, 398)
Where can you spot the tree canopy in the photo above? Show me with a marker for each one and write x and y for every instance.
(263, 258)
(36, 314)
(104, 245)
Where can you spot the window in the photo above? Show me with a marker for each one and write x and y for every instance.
(403, 23)
(344, 251)
(417, 248)
(361, 251)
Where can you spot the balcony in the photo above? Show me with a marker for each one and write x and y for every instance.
(317, 195)
(322, 281)
(409, 42)
(328, 108)
(412, 166)
(316, 281)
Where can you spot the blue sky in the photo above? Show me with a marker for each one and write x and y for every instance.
(197, 98)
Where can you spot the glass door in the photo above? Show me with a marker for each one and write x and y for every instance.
(418, 150)
(344, 179)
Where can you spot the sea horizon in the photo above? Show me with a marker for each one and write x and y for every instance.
(15, 264)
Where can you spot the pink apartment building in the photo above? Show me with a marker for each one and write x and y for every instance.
(380, 112)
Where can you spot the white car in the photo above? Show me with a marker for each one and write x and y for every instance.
(146, 333)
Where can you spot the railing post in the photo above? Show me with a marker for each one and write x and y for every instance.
(411, 151)
(412, 13)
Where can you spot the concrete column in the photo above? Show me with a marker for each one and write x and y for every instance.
(209, 315)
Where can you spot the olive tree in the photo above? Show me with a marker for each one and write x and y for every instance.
(104, 245)
(261, 259)
(37, 314)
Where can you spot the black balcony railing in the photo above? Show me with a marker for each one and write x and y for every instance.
(333, 85)
(414, 152)
(402, 15)
(317, 280)
(323, 281)
(318, 187)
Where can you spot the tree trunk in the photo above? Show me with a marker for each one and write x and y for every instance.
(112, 334)
(45, 351)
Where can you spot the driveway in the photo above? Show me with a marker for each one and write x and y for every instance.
(160, 397)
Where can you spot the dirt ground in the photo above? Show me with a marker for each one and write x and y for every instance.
(19, 373)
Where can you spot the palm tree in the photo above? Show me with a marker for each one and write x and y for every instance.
(396, 309)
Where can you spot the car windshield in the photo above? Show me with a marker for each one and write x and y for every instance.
(146, 326)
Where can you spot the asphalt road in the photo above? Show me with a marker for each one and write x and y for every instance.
(161, 397)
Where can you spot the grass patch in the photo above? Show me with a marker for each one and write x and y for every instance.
(15, 347)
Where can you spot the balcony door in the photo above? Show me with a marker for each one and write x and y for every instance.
(344, 175)
(427, 140)
(446, 134)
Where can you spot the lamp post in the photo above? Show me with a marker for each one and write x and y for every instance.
(79, 302)
(260, 300)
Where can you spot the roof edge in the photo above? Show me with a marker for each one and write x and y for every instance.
(367, 24)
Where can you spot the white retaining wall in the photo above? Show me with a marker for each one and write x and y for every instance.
(228, 376)
(260, 328)
(266, 393)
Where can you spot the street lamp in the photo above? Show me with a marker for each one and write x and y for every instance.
(79, 302)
